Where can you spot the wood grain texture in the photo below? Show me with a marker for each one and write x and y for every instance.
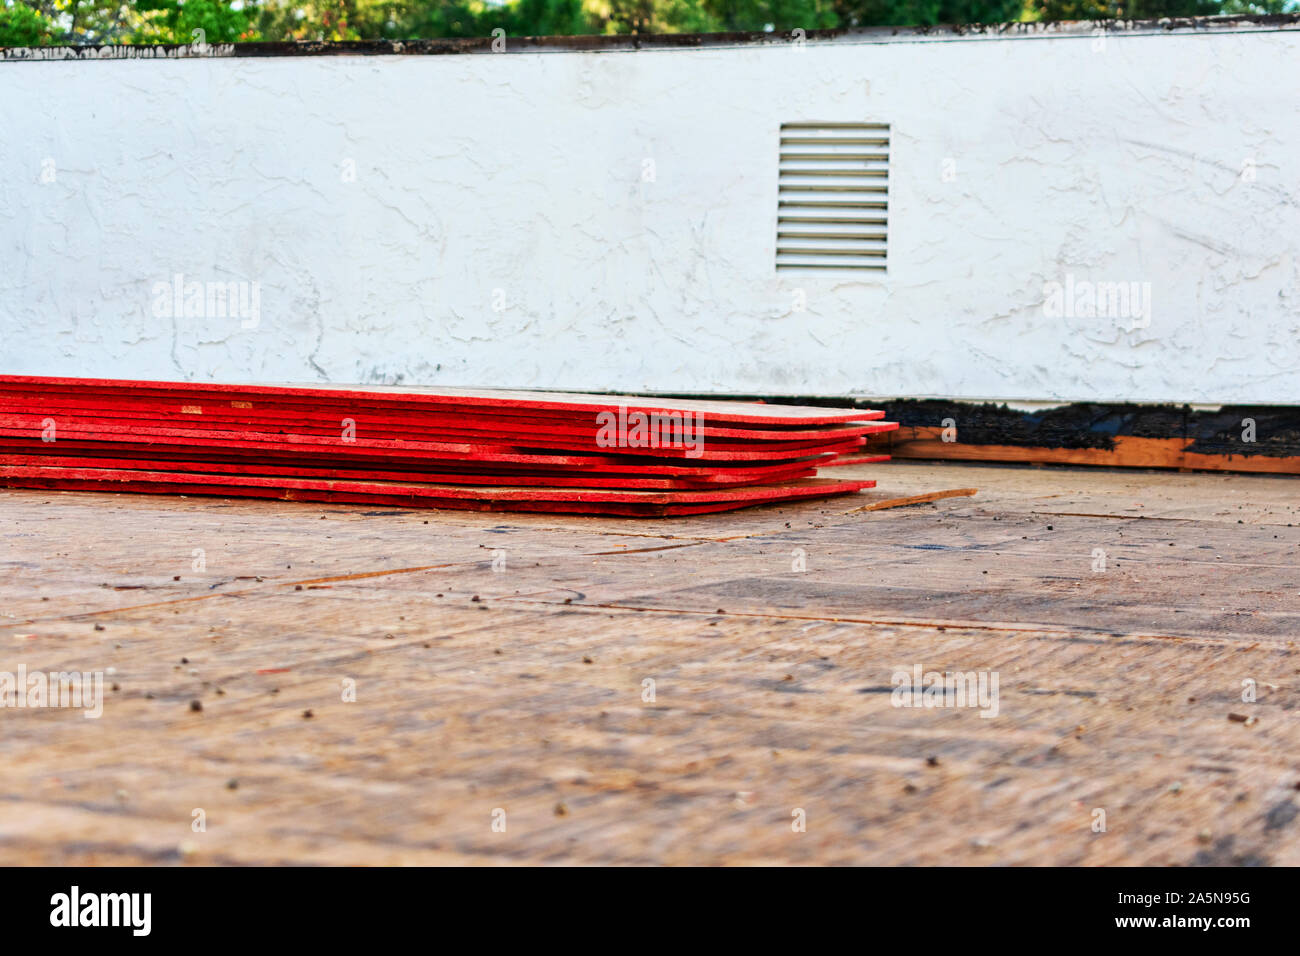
(771, 684)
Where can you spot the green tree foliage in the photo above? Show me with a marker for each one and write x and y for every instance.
(340, 19)
(44, 22)
(186, 21)
(780, 15)
(469, 18)
(22, 25)
(866, 13)
(66, 21)
(1124, 9)
(1257, 7)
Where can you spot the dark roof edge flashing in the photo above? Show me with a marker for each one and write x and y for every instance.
(660, 41)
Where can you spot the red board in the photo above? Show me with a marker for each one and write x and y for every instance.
(715, 449)
(30, 426)
(719, 411)
(463, 478)
(329, 416)
(768, 492)
(423, 447)
(571, 464)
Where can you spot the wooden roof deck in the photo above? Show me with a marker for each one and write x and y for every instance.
(771, 685)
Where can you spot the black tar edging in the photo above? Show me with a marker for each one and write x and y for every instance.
(656, 41)
(1081, 424)
(1089, 425)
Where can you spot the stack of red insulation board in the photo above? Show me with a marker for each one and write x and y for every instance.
(476, 449)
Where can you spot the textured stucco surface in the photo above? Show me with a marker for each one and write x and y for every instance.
(500, 229)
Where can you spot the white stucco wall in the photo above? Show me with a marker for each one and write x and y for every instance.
(499, 230)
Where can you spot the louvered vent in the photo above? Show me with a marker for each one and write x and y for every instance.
(832, 211)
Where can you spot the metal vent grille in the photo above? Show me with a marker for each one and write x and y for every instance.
(832, 208)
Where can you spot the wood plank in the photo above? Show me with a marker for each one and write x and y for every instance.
(926, 443)
(712, 411)
(772, 686)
